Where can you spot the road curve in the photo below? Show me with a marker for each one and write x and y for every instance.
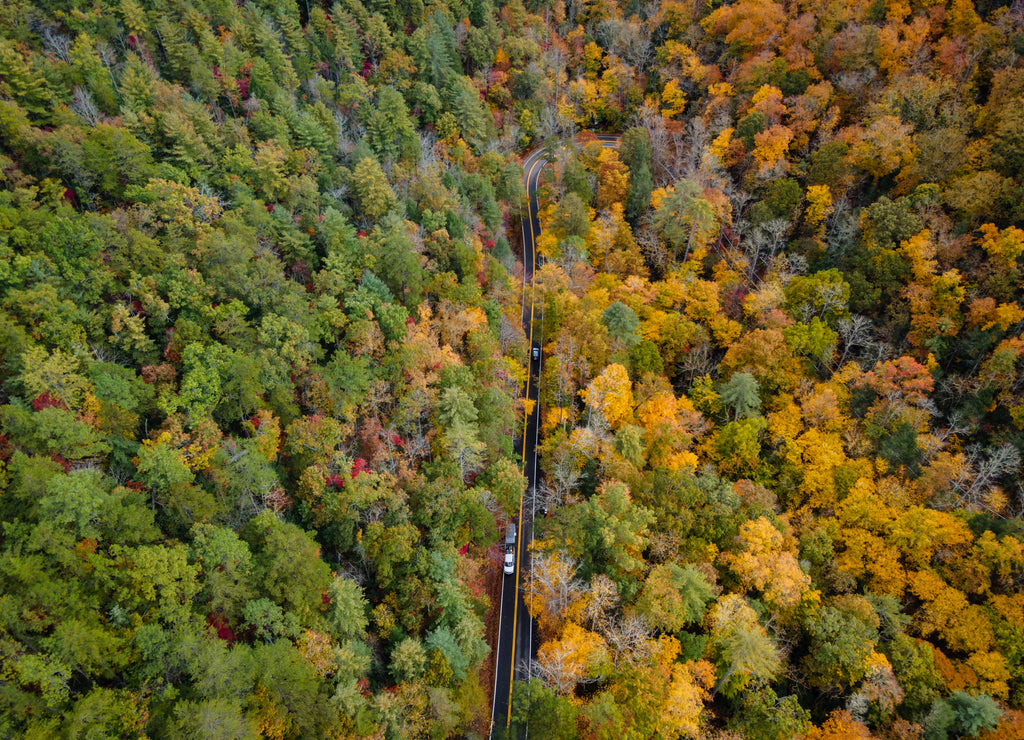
(515, 625)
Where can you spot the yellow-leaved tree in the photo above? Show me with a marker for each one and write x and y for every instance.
(578, 656)
(611, 395)
(770, 149)
(1003, 246)
(819, 205)
(839, 726)
(764, 564)
(684, 699)
(673, 100)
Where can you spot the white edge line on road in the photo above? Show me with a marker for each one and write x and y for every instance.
(533, 498)
(522, 312)
(609, 142)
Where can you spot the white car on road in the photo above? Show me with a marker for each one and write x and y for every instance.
(510, 550)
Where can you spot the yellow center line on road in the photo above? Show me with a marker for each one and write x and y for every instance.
(526, 421)
(538, 163)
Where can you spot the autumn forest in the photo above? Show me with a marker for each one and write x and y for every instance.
(262, 354)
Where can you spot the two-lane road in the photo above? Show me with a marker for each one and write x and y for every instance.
(515, 627)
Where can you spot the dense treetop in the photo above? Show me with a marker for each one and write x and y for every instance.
(260, 352)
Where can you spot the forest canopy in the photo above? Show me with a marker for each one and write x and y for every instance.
(261, 351)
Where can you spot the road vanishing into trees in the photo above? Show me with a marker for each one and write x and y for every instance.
(515, 625)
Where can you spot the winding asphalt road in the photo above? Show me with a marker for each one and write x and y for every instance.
(515, 626)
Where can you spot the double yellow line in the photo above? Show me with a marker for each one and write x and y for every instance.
(540, 162)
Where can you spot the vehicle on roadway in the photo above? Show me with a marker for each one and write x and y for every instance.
(536, 353)
(510, 550)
